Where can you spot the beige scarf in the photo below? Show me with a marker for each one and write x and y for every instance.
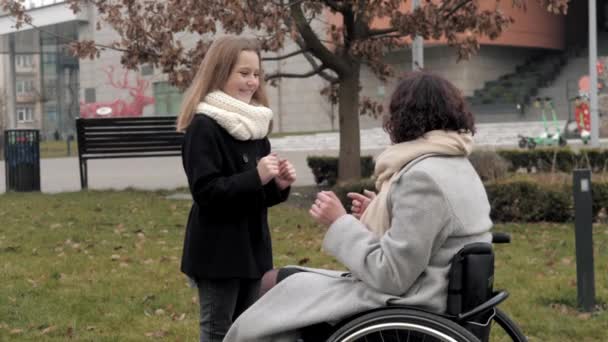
(391, 163)
(242, 120)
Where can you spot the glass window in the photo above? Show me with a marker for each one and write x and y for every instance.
(89, 95)
(168, 99)
(25, 114)
(147, 69)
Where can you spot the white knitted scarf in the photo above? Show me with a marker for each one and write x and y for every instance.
(242, 120)
(393, 161)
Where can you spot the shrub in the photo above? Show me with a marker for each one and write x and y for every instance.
(325, 169)
(489, 165)
(556, 159)
(522, 201)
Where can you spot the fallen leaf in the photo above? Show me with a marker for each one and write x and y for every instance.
(157, 334)
(181, 317)
(115, 257)
(584, 316)
(48, 329)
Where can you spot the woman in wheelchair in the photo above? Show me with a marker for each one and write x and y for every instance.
(430, 204)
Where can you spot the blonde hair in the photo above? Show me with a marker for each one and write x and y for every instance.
(213, 73)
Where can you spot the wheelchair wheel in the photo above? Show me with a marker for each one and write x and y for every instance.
(401, 325)
(508, 326)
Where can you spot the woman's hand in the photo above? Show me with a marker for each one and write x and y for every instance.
(360, 202)
(287, 174)
(327, 208)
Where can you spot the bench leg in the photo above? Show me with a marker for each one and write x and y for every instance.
(84, 184)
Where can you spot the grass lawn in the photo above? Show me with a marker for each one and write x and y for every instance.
(104, 266)
(54, 149)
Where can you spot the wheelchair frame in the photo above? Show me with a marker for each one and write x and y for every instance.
(398, 322)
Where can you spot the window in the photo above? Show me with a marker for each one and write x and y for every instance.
(89, 95)
(168, 99)
(50, 90)
(24, 61)
(25, 87)
(25, 114)
(147, 70)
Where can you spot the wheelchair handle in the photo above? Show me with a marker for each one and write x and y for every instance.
(499, 237)
(492, 302)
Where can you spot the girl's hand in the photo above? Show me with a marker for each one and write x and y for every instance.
(287, 174)
(268, 168)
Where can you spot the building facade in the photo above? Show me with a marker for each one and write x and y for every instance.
(47, 88)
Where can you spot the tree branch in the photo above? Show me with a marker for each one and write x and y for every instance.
(322, 73)
(379, 32)
(309, 57)
(278, 58)
(456, 8)
(290, 75)
(329, 59)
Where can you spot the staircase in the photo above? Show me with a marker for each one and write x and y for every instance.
(565, 85)
(511, 92)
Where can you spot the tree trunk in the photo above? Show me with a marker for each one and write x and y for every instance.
(349, 166)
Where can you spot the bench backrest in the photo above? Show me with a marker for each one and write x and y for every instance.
(128, 137)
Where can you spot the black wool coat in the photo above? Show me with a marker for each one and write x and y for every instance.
(227, 233)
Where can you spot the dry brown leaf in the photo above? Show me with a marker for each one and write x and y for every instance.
(157, 334)
(584, 316)
(48, 329)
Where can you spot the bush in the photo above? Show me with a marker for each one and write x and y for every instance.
(523, 201)
(489, 165)
(325, 169)
(556, 159)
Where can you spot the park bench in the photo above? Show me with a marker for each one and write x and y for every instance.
(132, 137)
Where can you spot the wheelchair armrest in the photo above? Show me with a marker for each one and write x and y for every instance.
(499, 237)
(498, 298)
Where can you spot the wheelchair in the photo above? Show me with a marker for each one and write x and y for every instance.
(471, 308)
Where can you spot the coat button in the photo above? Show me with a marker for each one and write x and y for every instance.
(245, 158)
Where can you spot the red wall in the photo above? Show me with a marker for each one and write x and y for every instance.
(534, 27)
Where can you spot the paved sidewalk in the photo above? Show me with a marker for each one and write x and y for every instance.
(61, 174)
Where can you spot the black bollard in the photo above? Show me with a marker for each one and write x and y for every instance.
(583, 232)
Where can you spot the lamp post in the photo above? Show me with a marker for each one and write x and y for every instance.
(417, 45)
(593, 105)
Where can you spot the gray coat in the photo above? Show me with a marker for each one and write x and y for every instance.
(437, 206)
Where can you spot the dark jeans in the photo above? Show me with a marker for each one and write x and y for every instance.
(221, 302)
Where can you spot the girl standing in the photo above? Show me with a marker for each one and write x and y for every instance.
(233, 179)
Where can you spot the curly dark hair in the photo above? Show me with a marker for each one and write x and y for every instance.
(425, 102)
